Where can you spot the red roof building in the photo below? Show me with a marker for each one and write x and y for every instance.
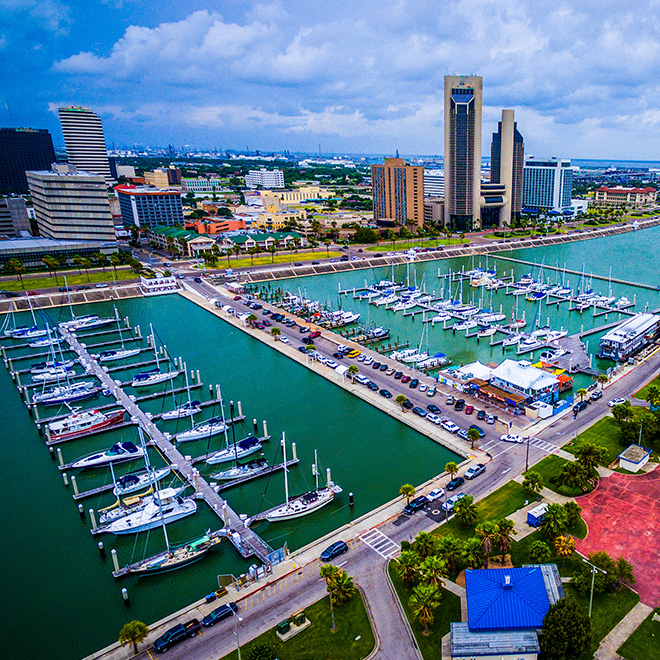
(625, 197)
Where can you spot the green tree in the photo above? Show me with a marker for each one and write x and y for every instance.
(236, 250)
(86, 264)
(407, 566)
(262, 651)
(433, 571)
(533, 483)
(539, 552)
(424, 599)
(590, 455)
(581, 393)
(15, 267)
(505, 530)
(133, 632)
(253, 252)
(554, 521)
(275, 333)
(328, 572)
(602, 379)
(452, 469)
(473, 436)
(273, 251)
(573, 511)
(564, 546)
(473, 552)
(400, 400)
(53, 266)
(487, 533)
(77, 259)
(353, 371)
(622, 412)
(327, 244)
(466, 511)
(115, 260)
(101, 260)
(424, 545)
(616, 572)
(450, 549)
(342, 587)
(408, 491)
(566, 631)
(574, 475)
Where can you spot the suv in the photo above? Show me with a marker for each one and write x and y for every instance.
(598, 394)
(455, 483)
(449, 505)
(414, 383)
(336, 549)
(481, 414)
(459, 405)
(177, 634)
(218, 614)
(419, 411)
(416, 504)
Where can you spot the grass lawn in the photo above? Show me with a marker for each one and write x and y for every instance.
(604, 433)
(503, 502)
(644, 643)
(449, 610)
(289, 257)
(401, 246)
(73, 279)
(608, 610)
(318, 641)
(551, 467)
(642, 393)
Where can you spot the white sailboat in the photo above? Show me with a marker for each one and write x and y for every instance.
(153, 376)
(119, 354)
(203, 430)
(251, 468)
(87, 322)
(134, 481)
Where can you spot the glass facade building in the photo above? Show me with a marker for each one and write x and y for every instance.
(23, 149)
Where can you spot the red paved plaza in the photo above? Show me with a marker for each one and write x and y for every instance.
(623, 517)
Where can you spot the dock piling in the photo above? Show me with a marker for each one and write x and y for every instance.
(199, 380)
(329, 476)
(115, 561)
(74, 485)
(92, 517)
(60, 460)
(351, 499)
(81, 511)
(65, 478)
(265, 429)
(101, 548)
(240, 409)
(51, 451)
(254, 424)
(294, 452)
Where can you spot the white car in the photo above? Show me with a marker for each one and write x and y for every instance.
(361, 378)
(509, 437)
(321, 358)
(284, 340)
(431, 391)
(341, 348)
(362, 357)
(423, 387)
(435, 494)
(451, 427)
(451, 502)
(616, 402)
(436, 419)
(368, 360)
(332, 364)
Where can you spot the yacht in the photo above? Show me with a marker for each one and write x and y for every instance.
(385, 299)
(186, 410)
(42, 343)
(241, 449)
(437, 360)
(52, 375)
(464, 325)
(518, 323)
(134, 481)
(83, 422)
(112, 356)
(415, 357)
(64, 393)
(120, 451)
(554, 335)
(487, 332)
(251, 468)
(40, 367)
(439, 318)
(207, 429)
(511, 339)
(153, 377)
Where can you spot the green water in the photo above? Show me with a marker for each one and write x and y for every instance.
(61, 600)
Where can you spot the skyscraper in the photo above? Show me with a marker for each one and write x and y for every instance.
(23, 149)
(398, 193)
(547, 184)
(507, 159)
(84, 140)
(463, 99)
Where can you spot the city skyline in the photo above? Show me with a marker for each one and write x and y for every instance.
(350, 78)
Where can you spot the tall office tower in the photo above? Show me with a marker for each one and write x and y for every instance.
(398, 193)
(463, 98)
(71, 205)
(149, 207)
(84, 141)
(507, 159)
(23, 149)
(547, 184)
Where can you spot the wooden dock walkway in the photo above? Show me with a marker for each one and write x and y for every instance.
(246, 541)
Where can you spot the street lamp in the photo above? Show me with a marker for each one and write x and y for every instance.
(237, 619)
(593, 578)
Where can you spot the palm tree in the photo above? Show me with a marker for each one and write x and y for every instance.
(76, 259)
(86, 264)
(433, 571)
(539, 552)
(133, 632)
(342, 587)
(589, 455)
(652, 395)
(353, 371)
(581, 393)
(406, 567)
(273, 250)
(327, 244)
(533, 482)
(574, 475)
(424, 599)
(452, 469)
(424, 545)
(602, 379)
(392, 236)
(473, 552)
(554, 521)
(466, 511)
(473, 436)
(505, 530)
(564, 547)
(16, 267)
(236, 250)
(401, 399)
(487, 533)
(573, 511)
(253, 252)
(115, 260)
(53, 265)
(408, 491)
(328, 573)
(449, 549)
(622, 412)
(275, 333)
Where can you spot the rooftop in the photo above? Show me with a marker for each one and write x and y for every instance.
(11, 244)
(634, 453)
(145, 190)
(465, 643)
(632, 327)
(523, 375)
(622, 189)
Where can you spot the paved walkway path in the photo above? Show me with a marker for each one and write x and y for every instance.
(620, 633)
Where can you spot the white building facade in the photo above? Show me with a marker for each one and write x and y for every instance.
(264, 178)
(547, 184)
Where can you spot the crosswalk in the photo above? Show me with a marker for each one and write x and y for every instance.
(537, 443)
(543, 445)
(380, 543)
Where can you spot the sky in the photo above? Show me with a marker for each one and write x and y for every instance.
(347, 76)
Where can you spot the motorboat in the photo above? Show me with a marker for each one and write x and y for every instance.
(464, 325)
(385, 300)
(207, 429)
(88, 322)
(487, 332)
(518, 323)
(153, 377)
(66, 393)
(83, 422)
(582, 306)
(186, 410)
(554, 335)
(403, 353)
(541, 332)
(511, 339)
(119, 452)
(415, 357)
(134, 481)
(236, 452)
(437, 360)
(439, 318)
(521, 291)
(623, 302)
(249, 469)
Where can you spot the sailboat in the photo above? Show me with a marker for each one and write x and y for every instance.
(86, 322)
(119, 354)
(303, 505)
(188, 409)
(251, 468)
(52, 374)
(237, 451)
(134, 481)
(153, 376)
(32, 332)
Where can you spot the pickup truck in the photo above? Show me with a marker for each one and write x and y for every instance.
(177, 634)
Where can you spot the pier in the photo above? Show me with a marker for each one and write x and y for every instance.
(246, 541)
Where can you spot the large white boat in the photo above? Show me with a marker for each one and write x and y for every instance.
(40, 367)
(188, 409)
(487, 332)
(134, 481)
(166, 506)
(248, 469)
(83, 422)
(120, 451)
(120, 354)
(237, 452)
(415, 357)
(88, 322)
(66, 393)
(464, 325)
(203, 430)
(52, 375)
(386, 299)
(153, 377)
(437, 360)
(43, 343)
(511, 339)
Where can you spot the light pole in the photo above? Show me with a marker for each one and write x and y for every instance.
(237, 619)
(593, 579)
(527, 456)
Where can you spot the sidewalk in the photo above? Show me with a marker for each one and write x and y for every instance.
(619, 634)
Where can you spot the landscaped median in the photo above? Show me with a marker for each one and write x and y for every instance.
(73, 280)
(353, 638)
(246, 262)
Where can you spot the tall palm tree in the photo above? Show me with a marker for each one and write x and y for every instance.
(554, 520)
(452, 469)
(602, 379)
(450, 549)
(465, 511)
(487, 533)
(76, 259)
(564, 547)
(505, 530)
(115, 260)
(473, 436)
(406, 567)
(327, 244)
(424, 545)
(533, 482)
(53, 266)
(652, 395)
(328, 572)
(408, 491)
(589, 455)
(342, 587)
(424, 599)
(581, 393)
(86, 263)
(473, 552)
(433, 571)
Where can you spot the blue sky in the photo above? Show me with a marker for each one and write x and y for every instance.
(363, 76)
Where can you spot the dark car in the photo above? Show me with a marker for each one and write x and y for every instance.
(407, 404)
(307, 340)
(578, 407)
(416, 504)
(198, 280)
(398, 375)
(267, 323)
(219, 613)
(405, 379)
(266, 312)
(303, 329)
(414, 383)
(338, 356)
(375, 365)
(334, 550)
(419, 411)
(596, 395)
(455, 483)
(372, 386)
(176, 634)
(256, 305)
(478, 429)
(302, 349)
(386, 393)
(481, 414)
(433, 408)
(459, 405)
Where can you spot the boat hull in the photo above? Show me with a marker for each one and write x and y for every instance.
(111, 419)
(296, 509)
(226, 455)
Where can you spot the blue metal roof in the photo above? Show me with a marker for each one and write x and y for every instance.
(495, 603)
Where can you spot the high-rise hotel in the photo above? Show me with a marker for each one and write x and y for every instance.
(398, 194)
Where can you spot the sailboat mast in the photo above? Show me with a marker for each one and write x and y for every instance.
(316, 469)
(286, 472)
(153, 343)
(34, 320)
(68, 293)
(121, 338)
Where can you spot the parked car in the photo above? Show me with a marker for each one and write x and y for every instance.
(284, 340)
(490, 419)
(469, 410)
(478, 429)
(383, 367)
(416, 504)
(315, 334)
(579, 407)
(218, 614)
(449, 505)
(408, 404)
(481, 414)
(455, 483)
(450, 426)
(375, 365)
(510, 437)
(419, 411)
(307, 340)
(398, 375)
(414, 383)
(334, 550)
(177, 634)
(423, 387)
(303, 329)
(431, 391)
(598, 394)
(405, 378)
(368, 360)
(354, 353)
(389, 372)
(475, 470)
(450, 400)
(372, 386)
(436, 494)
(432, 417)
(433, 408)
(616, 402)
(385, 393)
(462, 434)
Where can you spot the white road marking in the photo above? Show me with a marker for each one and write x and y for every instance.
(380, 543)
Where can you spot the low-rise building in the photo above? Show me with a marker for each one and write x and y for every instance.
(629, 337)
(526, 381)
(285, 240)
(213, 225)
(30, 251)
(187, 242)
(201, 185)
(300, 195)
(620, 197)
